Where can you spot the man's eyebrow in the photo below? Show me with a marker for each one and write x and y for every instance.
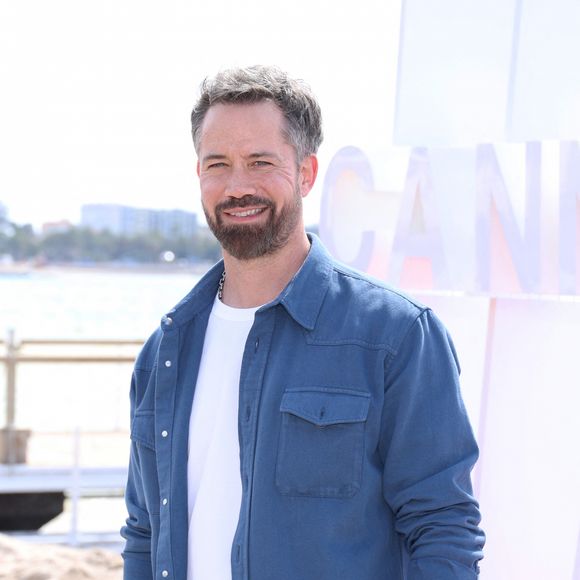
(256, 155)
(212, 157)
(263, 154)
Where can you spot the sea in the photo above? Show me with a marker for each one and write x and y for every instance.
(89, 303)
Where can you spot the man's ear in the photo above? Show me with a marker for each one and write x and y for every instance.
(307, 174)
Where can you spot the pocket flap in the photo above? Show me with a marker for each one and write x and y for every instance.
(143, 430)
(326, 406)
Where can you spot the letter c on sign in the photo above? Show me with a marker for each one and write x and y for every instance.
(347, 161)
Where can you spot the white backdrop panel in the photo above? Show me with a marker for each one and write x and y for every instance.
(530, 464)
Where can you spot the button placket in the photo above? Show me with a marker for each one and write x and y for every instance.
(250, 393)
(164, 406)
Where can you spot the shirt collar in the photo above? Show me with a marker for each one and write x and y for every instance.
(302, 297)
(304, 294)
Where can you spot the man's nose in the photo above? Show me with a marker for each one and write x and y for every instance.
(240, 184)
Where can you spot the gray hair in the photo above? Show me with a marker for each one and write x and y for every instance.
(265, 83)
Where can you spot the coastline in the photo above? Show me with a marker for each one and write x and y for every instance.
(18, 269)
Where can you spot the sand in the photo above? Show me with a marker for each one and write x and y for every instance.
(23, 561)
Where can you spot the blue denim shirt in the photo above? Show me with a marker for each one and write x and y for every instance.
(355, 447)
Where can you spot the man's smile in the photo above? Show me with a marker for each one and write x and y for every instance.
(244, 214)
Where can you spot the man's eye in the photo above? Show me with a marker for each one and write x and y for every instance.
(261, 163)
(216, 165)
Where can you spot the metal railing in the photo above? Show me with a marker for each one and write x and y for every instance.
(14, 355)
(74, 480)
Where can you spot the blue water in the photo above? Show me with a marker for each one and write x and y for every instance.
(88, 304)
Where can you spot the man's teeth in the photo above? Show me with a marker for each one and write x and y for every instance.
(246, 213)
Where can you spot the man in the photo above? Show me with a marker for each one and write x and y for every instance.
(292, 419)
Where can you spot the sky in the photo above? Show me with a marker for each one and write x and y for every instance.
(97, 95)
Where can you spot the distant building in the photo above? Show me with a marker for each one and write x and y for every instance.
(127, 221)
(58, 227)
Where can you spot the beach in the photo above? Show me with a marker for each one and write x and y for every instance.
(25, 561)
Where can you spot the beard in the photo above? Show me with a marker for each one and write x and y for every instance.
(246, 242)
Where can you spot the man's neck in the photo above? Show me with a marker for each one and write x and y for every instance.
(251, 283)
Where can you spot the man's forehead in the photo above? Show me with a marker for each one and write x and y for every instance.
(236, 122)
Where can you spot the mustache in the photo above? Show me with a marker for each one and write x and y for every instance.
(243, 202)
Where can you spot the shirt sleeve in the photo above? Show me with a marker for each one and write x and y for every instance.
(429, 451)
(137, 529)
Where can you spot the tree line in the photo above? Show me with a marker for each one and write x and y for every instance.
(83, 245)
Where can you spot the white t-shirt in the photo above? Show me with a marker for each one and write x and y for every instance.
(213, 467)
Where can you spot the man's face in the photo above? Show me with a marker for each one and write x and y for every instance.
(251, 186)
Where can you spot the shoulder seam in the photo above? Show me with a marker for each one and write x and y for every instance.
(426, 309)
(379, 285)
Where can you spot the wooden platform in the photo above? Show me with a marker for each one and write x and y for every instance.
(72, 481)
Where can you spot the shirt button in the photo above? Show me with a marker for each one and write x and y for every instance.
(167, 363)
(164, 433)
(256, 345)
(164, 502)
(165, 573)
(168, 320)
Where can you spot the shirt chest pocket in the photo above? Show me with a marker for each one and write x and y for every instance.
(321, 445)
